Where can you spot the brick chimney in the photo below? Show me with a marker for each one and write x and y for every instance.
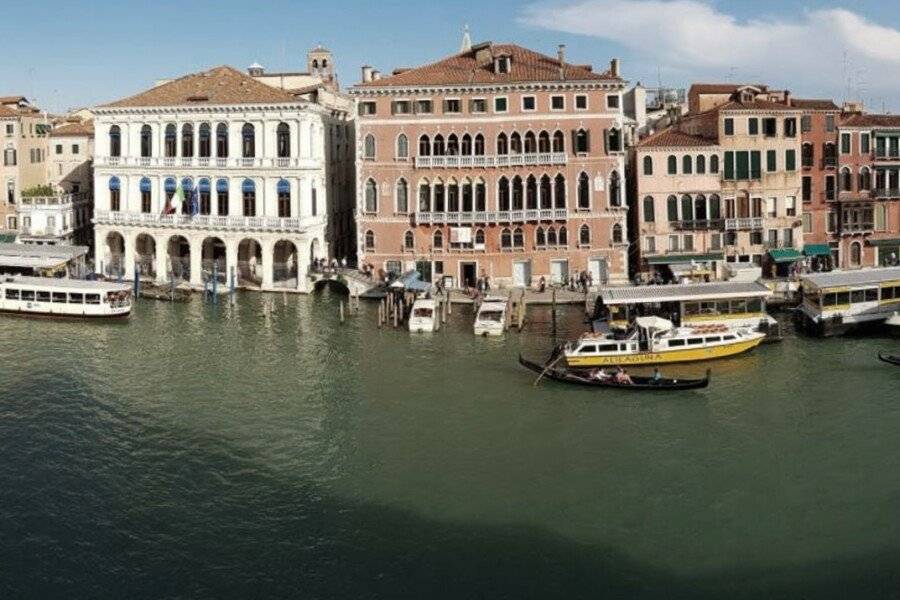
(614, 67)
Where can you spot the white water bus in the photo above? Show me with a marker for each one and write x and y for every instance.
(67, 298)
(840, 301)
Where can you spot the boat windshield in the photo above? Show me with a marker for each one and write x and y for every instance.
(490, 315)
(422, 313)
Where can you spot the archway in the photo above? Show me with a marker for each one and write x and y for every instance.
(145, 255)
(314, 251)
(179, 253)
(213, 259)
(250, 263)
(284, 264)
(115, 255)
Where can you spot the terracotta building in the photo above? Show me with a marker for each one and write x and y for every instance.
(497, 161)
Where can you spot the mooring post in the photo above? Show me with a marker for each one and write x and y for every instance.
(137, 280)
(215, 283)
(172, 279)
(553, 309)
(231, 284)
(342, 311)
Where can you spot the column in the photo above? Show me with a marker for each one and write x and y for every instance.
(129, 238)
(302, 268)
(231, 260)
(196, 243)
(162, 258)
(268, 272)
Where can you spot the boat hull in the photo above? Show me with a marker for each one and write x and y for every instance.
(33, 314)
(664, 357)
(638, 383)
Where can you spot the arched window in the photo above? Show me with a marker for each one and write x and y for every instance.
(114, 194)
(563, 236)
(560, 183)
(701, 164)
(204, 141)
(409, 241)
(438, 239)
(171, 141)
(672, 163)
(283, 140)
(551, 236)
(169, 186)
(582, 142)
(807, 154)
(248, 191)
(371, 204)
(615, 189)
(146, 197)
(146, 141)
(438, 146)
(546, 193)
(369, 147)
(517, 193)
(283, 189)
(452, 196)
(479, 237)
(452, 145)
(584, 191)
(424, 196)
(531, 200)
(715, 207)
(865, 179)
(480, 195)
(648, 165)
(615, 140)
(544, 142)
(502, 145)
(439, 197)
(617, 234)
(530, 143)
(559, 142)
(515, 143)
(402, 146)
(846, 180)
(672, 209)
(503, 194)
(187, 140)
(424, 146)
(204, 193)
(539, 238)
(714, 164)
(466, 145)
(687, 164)
(466, 195)
(518, 238)
(687, 208)
(478, 148)
(649, 210)
(370, 240)
(402, 196)
(700, 208)
(505, 238)
(584, 235)
(855, 254)
(115, 141)
(222, 197)
(248, 141)
(222, 140)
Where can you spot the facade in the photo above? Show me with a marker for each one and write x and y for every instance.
(721, 186)
(498, 162)
(217, 173)
(23, 141)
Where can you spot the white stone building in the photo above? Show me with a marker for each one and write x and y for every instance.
(253, 163)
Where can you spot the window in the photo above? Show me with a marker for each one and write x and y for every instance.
(367, 108)
(806, 219)
(248, 141)
(865, 179)
(452, 105)
(790, 160)
(771, 207)
(557, 102)
(753, 126)
(559, 142)
(581, 102)
(650, 244)
(114, 191)
(437, 240)
(584, 191)
(582, 142)
(687, 165)
(649, 214)
(204, 141)
(283, 189)
(648, 165)
(539, 238)
(187, 140)
(673, 243)
(248, 188)
(672, 164)
(688, 243)
(222, 140)
(75, 149)
(806, 123)
(402, 146)
(790, 206)
(282, 140)
(400, 107)
(829, 123)
(701, 164)
(687, 208)
(770, 127)
(500, 105)
(615, 189)
(528, 103)
(222, 196)
(146, 199)
(369, 147)
(846, 180)
(771, 161)
(790, 127)
(865, 143)
(807, 189)
(115, 141)
(616, 234)
(729, 126)
(614, 140)
(672, 209)
(423, 107)
(612, 101)
(370, 240)
(807, 155)
(714, 164)
(505, 239)
(845, 143)
(409, 241)
(560, 185)
(715, 207)
(371, 197)
(518, 238)
(478, 105)
(584, 235)
(59, 148)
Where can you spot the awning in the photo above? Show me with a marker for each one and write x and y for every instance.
(785, 255)
(817, 250)
(891, 243)
(668, 259)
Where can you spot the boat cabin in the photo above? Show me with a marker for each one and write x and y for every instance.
(840, 301)
(48, 296)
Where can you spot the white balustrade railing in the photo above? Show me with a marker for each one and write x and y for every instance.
(499, 160)
(27, 203)
(205, 162)
(505, 216)
(744, 223)
(292, 224)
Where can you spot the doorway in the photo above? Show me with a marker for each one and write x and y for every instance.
(599, 271)
(468, 273)
(522, 273)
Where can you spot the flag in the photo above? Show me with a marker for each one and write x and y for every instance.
(178, 200)
(195, 202)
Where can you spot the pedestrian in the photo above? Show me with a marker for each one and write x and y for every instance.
(590, 280)
(542, 284)
(344, 262)
(487, 284)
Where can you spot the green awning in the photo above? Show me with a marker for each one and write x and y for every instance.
(785, 255)
(7, 238)
(669, 259)
(889, 243)
(817, 250)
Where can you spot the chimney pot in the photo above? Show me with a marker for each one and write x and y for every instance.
(614, 67)
(366, 74)
(376, 75)
(561, 54)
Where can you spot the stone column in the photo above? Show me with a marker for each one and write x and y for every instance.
(231, 260)
(268, 258)
(196, 242)
(129, 238)
(162, 258)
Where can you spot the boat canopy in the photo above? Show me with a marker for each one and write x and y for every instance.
(859, 277)
(687, 292)
(37, 256)
(817, 250)
(654, 323)
(785, 255)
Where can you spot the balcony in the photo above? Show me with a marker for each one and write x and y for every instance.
(489, 217)
(748, 223)
(169, 162)
(500, 160)
(857, 228)
(829, 162)
(27, 204)
(886, 157)
(886, 193)
(709, 224)
(229, 223)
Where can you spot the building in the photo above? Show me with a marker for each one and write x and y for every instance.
(23, 137)
(497, 161)
(720, 186)
(216, 172)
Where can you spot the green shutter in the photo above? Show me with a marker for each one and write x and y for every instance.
(790, 160)
(742, 166)
(771, 161)
(729, 126)
(755, 166)
(729, 165)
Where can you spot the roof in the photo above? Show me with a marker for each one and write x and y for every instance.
(867, 120)
(672, 137)
(37, 256)
(78, 284)
(7, 112)
(757, 105)
(220, 85)
(852, 278)
(475, 66)
(11, 99)
(80, 128)
(683, 292)
(814, 104)
(724, 88)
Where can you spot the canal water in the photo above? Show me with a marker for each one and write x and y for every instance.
(266, 450)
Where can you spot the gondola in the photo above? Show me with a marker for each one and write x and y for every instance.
(638, 382)
(891, 359)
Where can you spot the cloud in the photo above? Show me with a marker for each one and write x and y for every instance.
(812, 52)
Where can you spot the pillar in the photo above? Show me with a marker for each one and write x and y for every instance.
(196, 243)
(129, 238)
(231, 259)
(268, 258)
(162, 262)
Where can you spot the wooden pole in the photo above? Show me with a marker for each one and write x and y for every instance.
(547, 368)
(342, 311)
(553, 309)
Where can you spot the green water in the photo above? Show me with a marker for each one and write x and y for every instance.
(266, 450)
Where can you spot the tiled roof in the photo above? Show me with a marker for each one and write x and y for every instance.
(220, 85)
(673, 138)
(813, 104)
(465, 69)
(724, 88)
(7, 112)
(757, 105)
(81, 128)
(864, 120)
(11, 99)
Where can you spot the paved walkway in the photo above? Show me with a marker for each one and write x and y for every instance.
(563, 296)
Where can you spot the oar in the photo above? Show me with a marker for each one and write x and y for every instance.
(548, 367)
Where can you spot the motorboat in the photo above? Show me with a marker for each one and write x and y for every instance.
(423, 316)
(491, 316)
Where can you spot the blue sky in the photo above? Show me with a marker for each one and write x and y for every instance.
(68, 54)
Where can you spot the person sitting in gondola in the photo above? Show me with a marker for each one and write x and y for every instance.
(623, 377)
(599, 374)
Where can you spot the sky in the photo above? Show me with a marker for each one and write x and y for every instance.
(67, 54)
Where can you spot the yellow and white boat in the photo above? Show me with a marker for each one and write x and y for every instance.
(655, 340)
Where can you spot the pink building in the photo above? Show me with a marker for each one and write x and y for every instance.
(497, 161)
